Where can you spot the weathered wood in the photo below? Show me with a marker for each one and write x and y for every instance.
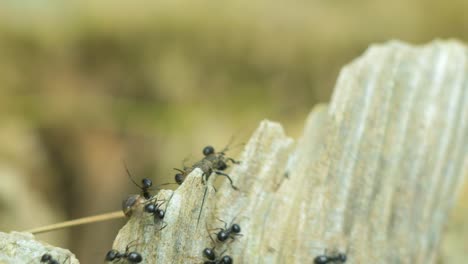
(374, 175)
(17, 247)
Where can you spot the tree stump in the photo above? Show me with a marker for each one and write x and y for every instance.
(373, 176)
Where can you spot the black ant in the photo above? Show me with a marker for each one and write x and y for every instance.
(228, 232)
(212, 259)
(210, 254)
(212, 162)
(47, 258)
(145, 186)
(154, 208)
(324, 259)
(132, 257)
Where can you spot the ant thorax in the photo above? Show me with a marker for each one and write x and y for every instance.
(205, 165)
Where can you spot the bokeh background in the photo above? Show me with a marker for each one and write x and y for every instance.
(86, 85)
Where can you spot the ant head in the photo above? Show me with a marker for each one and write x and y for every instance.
(146, 183)
(160, 213)
(111, 255)
(179, 178)
(134, 257)
(236, 228)
(208, 150)
(322, 259)
(209, 253)
(226, 260)
(222, 235)
(46, 257)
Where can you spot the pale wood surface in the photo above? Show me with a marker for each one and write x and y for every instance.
(374, 174)
(18, 247)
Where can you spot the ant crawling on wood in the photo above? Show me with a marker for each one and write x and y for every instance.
(132, 257)
(209, 253)
(48, 259)
(229, 231)
(212, 162)
(212, 259)
(325, 259)
(154, 208)
(145, 186)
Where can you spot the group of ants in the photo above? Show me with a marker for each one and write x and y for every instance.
(212, 162)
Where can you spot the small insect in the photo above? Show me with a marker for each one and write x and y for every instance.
(210, 254)
(48, 259)
(213, 162)
(132, 257)
(154, 208)
(228, 231)
(324, 259)
(145, 186)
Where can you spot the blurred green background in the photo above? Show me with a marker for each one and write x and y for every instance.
(86, 85)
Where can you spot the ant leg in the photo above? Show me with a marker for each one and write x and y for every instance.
(163, 201)
(162, 184)
(170, 198)
(185, 161)
(233, 237)
(206, 176)
(209, 234)
(233, 160)
(222, 253)
(156, 222)
(213, 229)
(229, 178)
(225, 224)
(131, 244)
(164, 226)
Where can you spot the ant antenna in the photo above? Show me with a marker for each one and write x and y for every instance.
(130, 175)
(179, 170)
(209, 234)
(164, 184)
(233, 219)
(231, 140)
(185, 160)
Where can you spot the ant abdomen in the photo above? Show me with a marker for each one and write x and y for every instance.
(179, 178)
